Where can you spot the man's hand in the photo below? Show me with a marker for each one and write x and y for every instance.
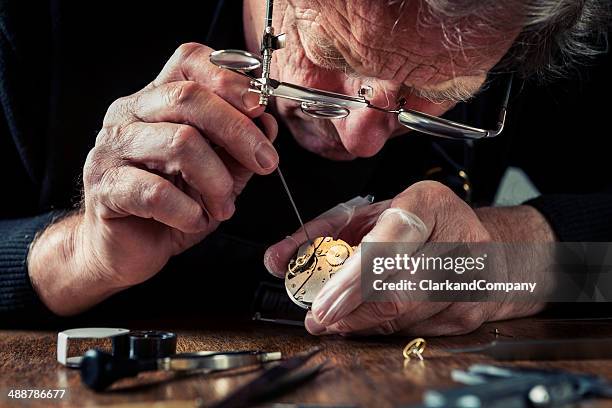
(166, 168)
(425, 212)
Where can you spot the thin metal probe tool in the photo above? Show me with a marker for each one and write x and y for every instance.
(269, 43)
(297, 212)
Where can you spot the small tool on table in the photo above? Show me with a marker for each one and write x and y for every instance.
(99, 369)
(496, 387)
(138, 344)
(273, 380)
(548, 349)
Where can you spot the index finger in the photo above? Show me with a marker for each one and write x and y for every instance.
(191, 62)
(191, 103)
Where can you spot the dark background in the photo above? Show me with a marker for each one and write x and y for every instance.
(72, 59)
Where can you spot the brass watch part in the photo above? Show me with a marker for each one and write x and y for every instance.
(314, 265)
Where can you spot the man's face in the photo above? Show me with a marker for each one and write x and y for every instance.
(339, 45)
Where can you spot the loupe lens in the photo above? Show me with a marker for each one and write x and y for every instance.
(235, 59)
(322, 111)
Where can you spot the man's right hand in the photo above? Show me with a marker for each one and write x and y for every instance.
(166, 168)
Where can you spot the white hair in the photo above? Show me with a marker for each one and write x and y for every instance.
(555, 34)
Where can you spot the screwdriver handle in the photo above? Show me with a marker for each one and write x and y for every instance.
(100, 369)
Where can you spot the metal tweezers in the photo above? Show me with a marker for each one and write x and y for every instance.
(273, 380)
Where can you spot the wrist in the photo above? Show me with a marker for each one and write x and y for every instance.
(60, 271)
(518, 226)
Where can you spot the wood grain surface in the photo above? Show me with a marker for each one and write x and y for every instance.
(368, 372)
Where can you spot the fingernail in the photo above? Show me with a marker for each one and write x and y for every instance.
(250, 100)
(312, 326)
(271, 262)
(276, 258)
(266, 156)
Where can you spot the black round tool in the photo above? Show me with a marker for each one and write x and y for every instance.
(99, 369)
(134, 352)
(147, 344)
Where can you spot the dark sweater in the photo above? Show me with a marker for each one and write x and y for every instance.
(62, 64)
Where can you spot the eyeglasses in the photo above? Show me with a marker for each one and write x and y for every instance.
(321, 104)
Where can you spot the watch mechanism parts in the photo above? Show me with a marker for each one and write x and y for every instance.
(313, 265)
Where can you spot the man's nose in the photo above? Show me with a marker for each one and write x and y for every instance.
(364, 131)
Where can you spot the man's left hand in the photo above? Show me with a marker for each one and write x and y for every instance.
(425, 212)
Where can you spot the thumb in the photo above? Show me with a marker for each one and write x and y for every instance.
(343, 294)
(328, 224)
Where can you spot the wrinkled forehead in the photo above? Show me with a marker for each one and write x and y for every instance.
(400, 40)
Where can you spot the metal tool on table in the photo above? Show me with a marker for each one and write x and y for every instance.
(496, 387)
(134, 352)
(100, 369)
(274, 380)
(272, 305)
(553, 349)
(124, 343)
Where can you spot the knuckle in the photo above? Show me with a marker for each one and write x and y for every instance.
(109, 137)
(223, 79)
(155, 194)
(431, 193)
(186, 50)
(434, 192)
(119, 108)
(183, 140)
(436, 205)
(104, 135)
(179, 93)
(223, 188)
(187, 142)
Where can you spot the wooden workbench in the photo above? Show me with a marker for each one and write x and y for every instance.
(364, 372)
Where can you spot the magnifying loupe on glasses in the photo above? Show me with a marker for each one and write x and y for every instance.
(321, 104)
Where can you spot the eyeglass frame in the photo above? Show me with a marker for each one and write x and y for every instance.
(322, 104)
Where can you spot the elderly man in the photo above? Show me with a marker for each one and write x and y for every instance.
(168, 185)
